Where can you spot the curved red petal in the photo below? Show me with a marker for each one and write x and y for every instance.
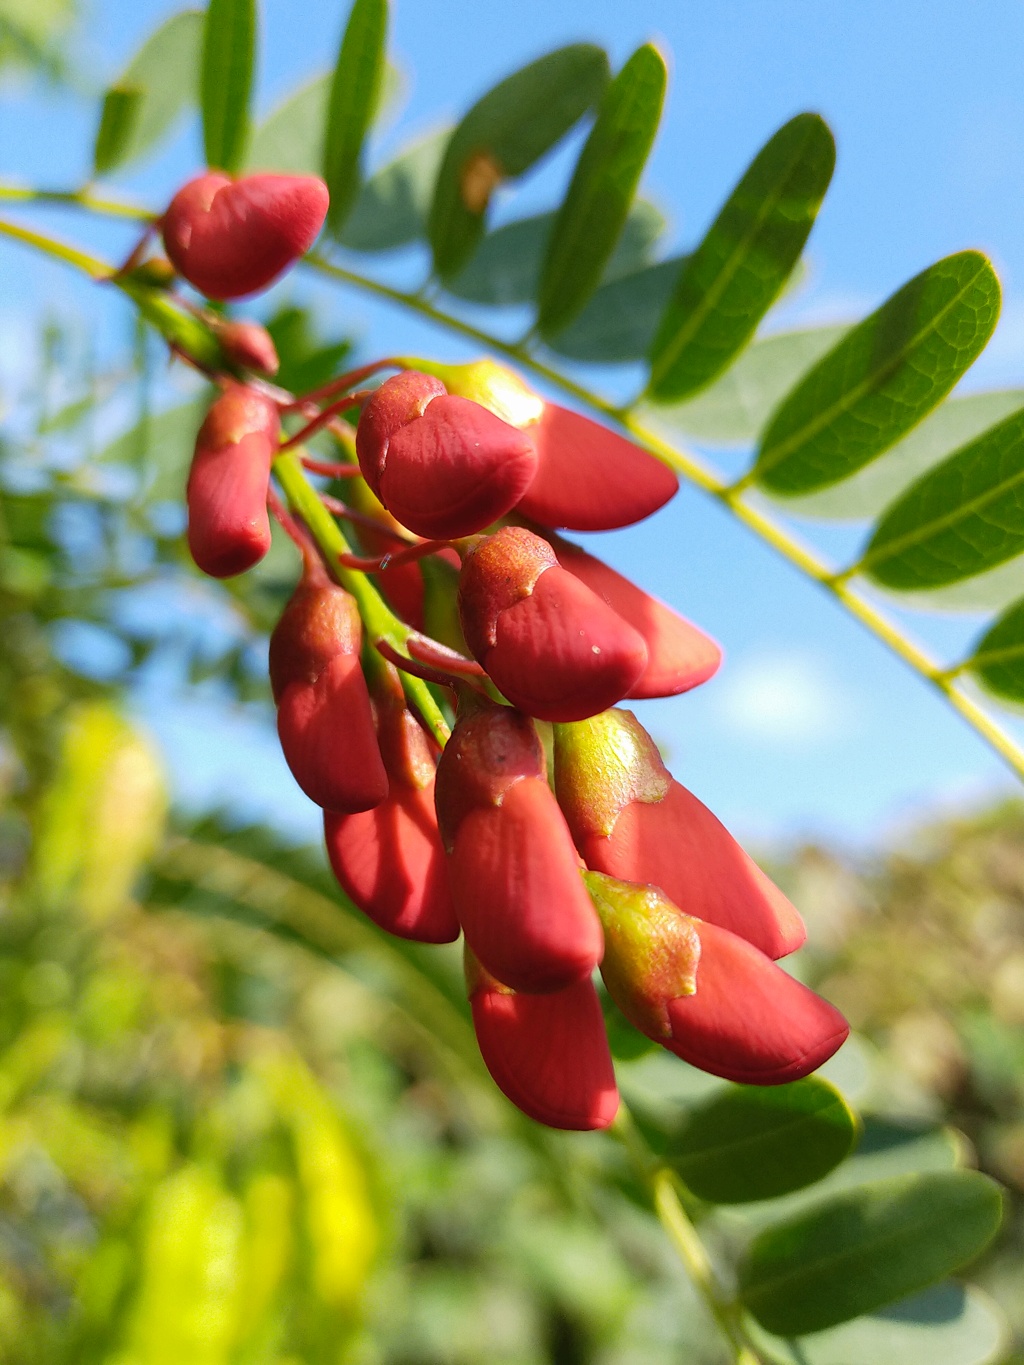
(677, 844)
(518, 892)
(589, 478)
(750, 1021)
(228, 526)
(549, 1054)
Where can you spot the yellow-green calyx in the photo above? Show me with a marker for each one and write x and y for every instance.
(492, 385)
(602, 765)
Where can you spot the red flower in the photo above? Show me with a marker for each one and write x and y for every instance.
(234, 237)
(323, 708)
(706, 994)
(632, 820)
(228, 527)
(514, 873)
(444, 466)
(553, 647)
(679, 656)
(389, 860)
(547, 1053)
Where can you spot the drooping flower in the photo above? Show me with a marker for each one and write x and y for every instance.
(228, 527)
(231, 237)
(553, 647)
(513, 870)
(547, 1053)
(324, 719)
(706, 994)
(632, 820)
(444, 466)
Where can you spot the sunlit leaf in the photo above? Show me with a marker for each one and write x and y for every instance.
(741, 266)
(857, 1252)
(881, 379)
(229, 56)
(595, 209)
(505, 133)
(962, 518)
(998, 658)
(757, 1142)
(393, 204)
(618, 323)
(118, 119)
(355, 92)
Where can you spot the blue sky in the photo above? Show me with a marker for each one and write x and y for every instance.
(811, 728)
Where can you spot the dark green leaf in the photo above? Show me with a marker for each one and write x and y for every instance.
(618, 323)
(734, 410)
(741, 266)
(229, 56)
(857, 1252)
(757, 1142)
(118, 120)
(355, 93)
(998, 657)
(961, 519)
(867, 494)
(392, 206)
(591, 219)
(505, 268)
(503, 135)
(881, 379)
(163, 72)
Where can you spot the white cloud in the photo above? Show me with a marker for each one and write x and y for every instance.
(782, 699)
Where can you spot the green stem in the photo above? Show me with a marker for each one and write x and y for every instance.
(82, 198)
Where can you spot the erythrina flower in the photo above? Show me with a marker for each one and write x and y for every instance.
(513, 870)
(444, 466)
(588, 478)
(547, 1053)
(228, 527)
(632, 820)
(679, 656)
(553, 647)
(232, 237)
(324, 718)
(389, 860)
(706, 994)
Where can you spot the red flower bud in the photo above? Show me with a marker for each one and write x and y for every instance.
(588, 478)
(389, 860)
(708, 995)
(632, 820)
(553, 647)
(547, 1053)
(679, 656)
(234, 237)
(249, 346)
(323, 708)
(228, 527)
(444, 466)
(513, 870)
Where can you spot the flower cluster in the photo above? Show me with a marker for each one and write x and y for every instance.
(547, 830)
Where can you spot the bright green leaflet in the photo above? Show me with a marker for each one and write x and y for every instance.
(740, 267)
(355, 93)
(757, 1142)
(959, 520)
(118, 119)
(502, 136)
(859, 1251)
(882, 379)
(229, 56)
(594, 211)
(998, 658)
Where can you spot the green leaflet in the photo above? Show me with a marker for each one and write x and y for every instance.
(502, 136)
(392, 206)
(505, 268)
(163, 74)
(964, 517)
(229, 57)
(857, 1252)
(618, 323)
(881, 379)
(118, 118)
(755, 1142)
(741, 266)
(998, 658)
(355, 93)
(735, 409)
(594, 212)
